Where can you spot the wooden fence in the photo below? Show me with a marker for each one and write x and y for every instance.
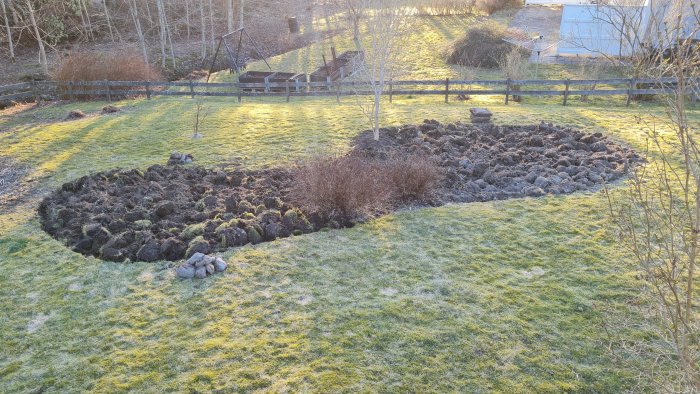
(109, 90)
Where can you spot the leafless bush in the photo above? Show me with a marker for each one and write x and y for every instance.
(113, 66)
(412, 176)
(444, 7)
(346, 187)
(491, 6)
(514, 66)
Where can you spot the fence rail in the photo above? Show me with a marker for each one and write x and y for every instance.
(509, 88)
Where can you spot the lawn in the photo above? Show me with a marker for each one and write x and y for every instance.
(509, 296)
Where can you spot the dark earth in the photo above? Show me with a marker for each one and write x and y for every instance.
(171, 212)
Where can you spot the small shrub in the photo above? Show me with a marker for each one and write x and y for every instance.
(481, 46)
(345, 187)
(413, 176)
(112, 66)
(491, 6)
(351, 186)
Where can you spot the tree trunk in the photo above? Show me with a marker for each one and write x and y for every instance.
(139, 30)
(161, 31)
(42, 51)
(203, 31)
(229, 15)
(187, 19)
(108, 19)
(211, 24)
(8, 30)
(375, 114)
(241, 13)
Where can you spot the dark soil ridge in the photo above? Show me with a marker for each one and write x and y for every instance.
(172, 212)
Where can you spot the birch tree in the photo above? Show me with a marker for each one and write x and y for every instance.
(203, 30)
(381, 42)
(40, 41)
(8, 30)
(229, 15)
(134, 10)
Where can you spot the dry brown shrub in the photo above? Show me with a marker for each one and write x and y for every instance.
(413, 176)
(491, 6)
(349, 187)
(112, 66)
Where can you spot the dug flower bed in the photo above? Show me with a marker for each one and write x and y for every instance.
(173, 212)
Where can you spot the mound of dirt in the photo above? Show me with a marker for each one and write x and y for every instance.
(489, 162)
(173, 212)
(170, 212)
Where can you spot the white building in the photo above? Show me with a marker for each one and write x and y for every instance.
(617, 28)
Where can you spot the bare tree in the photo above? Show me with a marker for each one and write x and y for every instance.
(658, 216)
(40, 41)
(381, 43)
(134, 10)
(200, 113)
(8, 30)
(515, 66)
(203, 30)
(229, 15)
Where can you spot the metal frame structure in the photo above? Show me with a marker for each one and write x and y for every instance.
(234, 59)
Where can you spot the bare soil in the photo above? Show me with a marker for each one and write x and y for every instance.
(172, 212)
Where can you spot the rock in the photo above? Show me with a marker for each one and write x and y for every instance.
(75, 114)
(210, 269)
(480, 112)
(195, 258)
(220, 265)
(204, 261)
(109, 109)
(200, 273)
(185, 271)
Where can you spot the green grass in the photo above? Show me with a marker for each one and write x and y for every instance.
(427, 300)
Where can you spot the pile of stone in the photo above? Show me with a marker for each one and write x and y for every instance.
(200, 266)
(180, 158)
(480, 115)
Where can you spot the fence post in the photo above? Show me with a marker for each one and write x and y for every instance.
(629, 92)
(391, 90)
(328, 82)
(192, 89)
(148, 90)
(239, 91)
(447, 90)
(507, 90)
(267, 85)
(566, 91)
(337, 93)
(288, 92)
(35, 92)
(297, 85)
(71, 98)
(109, 91)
